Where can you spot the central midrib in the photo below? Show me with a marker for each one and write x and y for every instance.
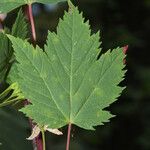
(72, 47)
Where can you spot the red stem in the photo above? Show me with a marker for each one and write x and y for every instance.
(68, 136)
(32, 22)
(37, 142)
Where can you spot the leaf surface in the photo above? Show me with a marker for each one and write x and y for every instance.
(8, 5)
(65, 82)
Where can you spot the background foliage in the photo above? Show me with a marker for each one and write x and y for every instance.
(121, 23)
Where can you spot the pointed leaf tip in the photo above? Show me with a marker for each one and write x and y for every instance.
(70, 4)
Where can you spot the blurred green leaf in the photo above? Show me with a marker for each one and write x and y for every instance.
(19, 29)
(4, 55)
(8, 5)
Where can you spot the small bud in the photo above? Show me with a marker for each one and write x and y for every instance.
(125, 49)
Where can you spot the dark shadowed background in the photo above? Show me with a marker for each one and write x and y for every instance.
(121, 22)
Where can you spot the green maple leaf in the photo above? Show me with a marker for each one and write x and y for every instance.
(66, 83)
(8, 5)
(19, 29)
